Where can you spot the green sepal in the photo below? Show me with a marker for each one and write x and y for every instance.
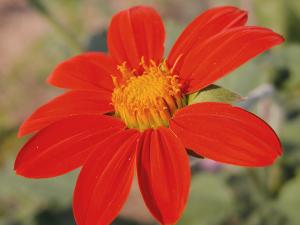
(214, 93)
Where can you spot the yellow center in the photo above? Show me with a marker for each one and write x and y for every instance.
(148, 100)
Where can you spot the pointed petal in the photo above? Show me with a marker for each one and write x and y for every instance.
(213, 59)
(226, 134)
(135, 33)
(86, 71)
(104, 181)
(64, 146)
(72, 103)
(208, 24)
(163, 174)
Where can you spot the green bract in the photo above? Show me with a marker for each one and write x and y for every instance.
(214, 93)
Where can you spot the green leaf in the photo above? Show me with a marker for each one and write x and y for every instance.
(214, 93)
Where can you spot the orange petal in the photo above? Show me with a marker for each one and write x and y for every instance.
(135, 33)
(75, 102)
(163, 174)
(64, 146)
(89, 70)
(226, 134)
(203, 27)
(209, 61)
(105, 180)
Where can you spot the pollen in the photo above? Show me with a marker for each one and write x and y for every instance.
(149, 99)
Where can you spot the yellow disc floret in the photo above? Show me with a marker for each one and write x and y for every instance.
(147, 100)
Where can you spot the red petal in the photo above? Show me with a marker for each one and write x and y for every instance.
(71, 103)
(208, 24)
(86, 71)
(135, 33)
(221, 54)
(64, 146)
(164, 174)
(227, 134)
(105, 179)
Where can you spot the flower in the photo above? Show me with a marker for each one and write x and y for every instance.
(128, 111)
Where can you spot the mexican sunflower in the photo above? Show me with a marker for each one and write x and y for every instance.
(127, 111)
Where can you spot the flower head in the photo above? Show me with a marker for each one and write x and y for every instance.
(147, 100)
(128, 111)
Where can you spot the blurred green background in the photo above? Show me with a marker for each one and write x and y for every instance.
(35, 35)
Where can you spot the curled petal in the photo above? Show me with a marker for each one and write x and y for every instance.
(226, 134)
(64, 145)
(86, 71)
(163, 174)
(135, 33)
(105, 180)
(75, 102)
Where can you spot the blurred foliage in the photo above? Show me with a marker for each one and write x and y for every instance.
(231, 196)
(208, 205)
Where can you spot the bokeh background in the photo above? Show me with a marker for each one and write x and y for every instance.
(35, 35)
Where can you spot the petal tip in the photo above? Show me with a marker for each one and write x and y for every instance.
(17, 172)
(18, 169)
(19, 134)
(23, 129)
(281, 38)
(280, 151)
(51, 79)
(244, 15)
(278, 38)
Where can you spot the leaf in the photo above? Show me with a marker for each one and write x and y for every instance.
(214, 93)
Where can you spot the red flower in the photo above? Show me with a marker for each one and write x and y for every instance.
(128, 110)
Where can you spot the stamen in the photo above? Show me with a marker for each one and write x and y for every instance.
(147, 100)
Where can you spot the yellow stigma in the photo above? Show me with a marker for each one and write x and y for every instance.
(147, 100)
